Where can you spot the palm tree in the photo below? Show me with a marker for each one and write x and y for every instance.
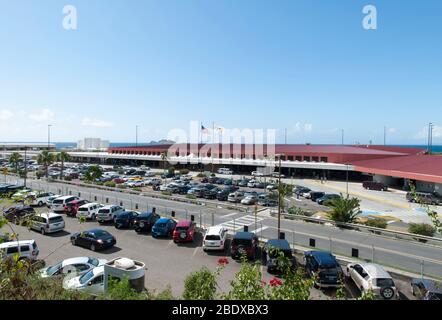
(15, 159)
(63, 157)
(163, 160)
(93, 173)
(345, 210)
(45, 158)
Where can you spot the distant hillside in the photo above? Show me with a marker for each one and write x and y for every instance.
(159, 142)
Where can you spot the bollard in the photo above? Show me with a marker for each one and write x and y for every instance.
(121, 203)
(79, 194)
(172, 214)
(192, 218)
(154, 210)
(312, 242)
(95, 198)
(246, 228)
(136, 206)
(282, 235)
(355, 253)
(107, 200)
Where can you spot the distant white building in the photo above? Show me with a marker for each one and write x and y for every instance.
(93, 144)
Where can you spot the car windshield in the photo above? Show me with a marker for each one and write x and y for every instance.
(212, 237)
(53, 269)
(104, 211)
(57, 201)
(241, 242)
(160, 225)
(100, 233)
(82, 209)
(87, 276)
(55, 219)
(182, 228)
(387, 282)
(123, 215)
(93, 261)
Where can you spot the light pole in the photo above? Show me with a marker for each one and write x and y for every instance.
(279, 196)
(26, 167)
(49, 135)
(347, 179)
(136, 135)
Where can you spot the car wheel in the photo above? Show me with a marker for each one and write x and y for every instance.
(93, 216)
(387, 293)
(43, 231)
(74, 243)
(40, 204)
(92, 247)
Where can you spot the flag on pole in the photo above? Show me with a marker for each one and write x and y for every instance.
(204, 129)
(219, 128)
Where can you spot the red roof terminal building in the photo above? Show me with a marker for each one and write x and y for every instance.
(391, 165)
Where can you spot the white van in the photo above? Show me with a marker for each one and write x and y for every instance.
(40, 199)
(26, 249)
(89, 210)
(215, 238)
(47, 223)
(59, 203)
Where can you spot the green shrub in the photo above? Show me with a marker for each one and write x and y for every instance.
(190, 196)
(110, 184)
(67, 178)
(137, 189)
(297, 211)
(200, 285)
(423, 229)
(121, 186)
(377, 223)
(200, 175)
(166, 193)
(184, 171)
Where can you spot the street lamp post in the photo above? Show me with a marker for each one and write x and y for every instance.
(26, 167)
(279, 197)
(49, 135)
(347, 179)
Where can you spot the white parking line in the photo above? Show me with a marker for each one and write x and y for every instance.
(260, 230)
(229, 215)
(195, 251)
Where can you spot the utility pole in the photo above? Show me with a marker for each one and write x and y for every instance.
(347, 180)
(285, 136)
(136, 135)
(430, 137)
(26, 167)
(385, 135)
(342, 136)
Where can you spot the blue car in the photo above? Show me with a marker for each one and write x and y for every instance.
(163, 228)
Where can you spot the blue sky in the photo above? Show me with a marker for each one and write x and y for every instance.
(305, 65)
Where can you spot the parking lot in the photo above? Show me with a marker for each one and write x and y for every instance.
(167, 263)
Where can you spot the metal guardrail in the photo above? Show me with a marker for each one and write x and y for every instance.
(359, 227)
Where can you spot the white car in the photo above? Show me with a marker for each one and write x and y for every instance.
(91, 282)
(236, 196)
(251, 183)
(225, 171)
(108, 213)
(372, 276)
(40, 199)
(89, 210)
(47, 222)
(215, 238)
(78, 265)
(59, 203)
(257, 174)
(52, 198)
(249, 200)
(25, 249)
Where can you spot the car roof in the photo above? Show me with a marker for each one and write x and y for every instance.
(96, 230)
(431, 285)
(16, 243)
(323, 257)
(279, 244)
(375, 270)
(244, 235)
(90, 204)
(215, 230)
(109, 206)
(163, 220)
(75, 260)
(184, 223)
(48, 215)
(98, 270)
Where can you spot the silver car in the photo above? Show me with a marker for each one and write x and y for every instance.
(78, 265)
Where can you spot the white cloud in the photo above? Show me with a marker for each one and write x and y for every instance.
(5, 115)
(437, 132)
(88, 122)
(42, 116)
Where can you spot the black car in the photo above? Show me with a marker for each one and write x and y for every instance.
(15, 214)
(299, 191)
(244, 244)
(95, 239)
(426, 289)
(210, 193)
(223, 195)
(315, 195)
(182, 189)
(10, 189)
(271, 252)
(167, 175)
(326, 268)
(125, 219)
(243, 183)
(145, 221)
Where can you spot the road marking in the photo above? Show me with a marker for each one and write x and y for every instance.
(260, 229)
(230, 215)
(239, 223)
(170, 243)
(195, 251)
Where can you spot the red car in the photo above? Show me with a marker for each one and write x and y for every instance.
(119, 180)
(71, 208)
(184, 231)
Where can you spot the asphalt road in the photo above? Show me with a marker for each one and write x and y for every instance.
(404, 255)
